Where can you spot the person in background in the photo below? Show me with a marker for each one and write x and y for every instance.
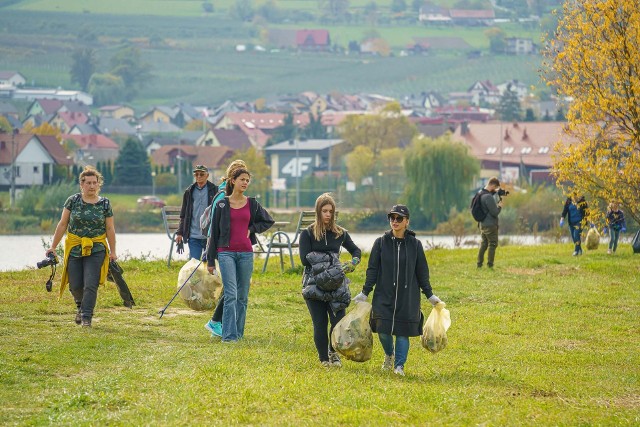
(324, 235)
(215, 324)
(492, 204)
(237, 219)
(87, 218)
(398, 271)
(616, 224)
(195, 200)
(575, 210)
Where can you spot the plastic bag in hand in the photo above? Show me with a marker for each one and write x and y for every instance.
(203, 290)
(352, 336)
(434, 334)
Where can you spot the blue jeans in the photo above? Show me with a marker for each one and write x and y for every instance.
(615, 235)
(235, 270)
(196, 247)
(402, 348)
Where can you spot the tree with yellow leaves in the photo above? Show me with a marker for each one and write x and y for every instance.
(594, 60)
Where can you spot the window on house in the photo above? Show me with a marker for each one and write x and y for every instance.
(35, 169)
(17, 171)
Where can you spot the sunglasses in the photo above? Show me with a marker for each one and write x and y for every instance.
(396, 218)
(199, 173)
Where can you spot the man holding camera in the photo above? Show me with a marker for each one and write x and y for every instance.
(491, 202)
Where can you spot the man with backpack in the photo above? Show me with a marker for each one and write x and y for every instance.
(485, 210)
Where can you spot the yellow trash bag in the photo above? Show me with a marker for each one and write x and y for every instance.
(202, 290)
(434, 334)
(593, 238)
(352, 336)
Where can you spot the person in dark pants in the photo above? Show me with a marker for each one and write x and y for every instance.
(324, 235)
(87, 219)
(616, 224)
(398, 270)
(575, 210)
(489, 226)
(195, 200)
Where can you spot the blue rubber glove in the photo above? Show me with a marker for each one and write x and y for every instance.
(623, 229)
(561, 222)
(605, 230)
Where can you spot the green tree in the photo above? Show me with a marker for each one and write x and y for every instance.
(287, 132)
(127, 64)
(132, 167)
(529, 115)
(398, 6)
(509, 108)
(83, 65)
(260, 171)
(107, 89)
(315, 129)
(440, 173)
(334, 10)
(496, 38)
(242, 10)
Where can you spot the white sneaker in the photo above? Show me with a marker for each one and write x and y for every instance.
(387, 365)
(609, 251)
(325, 364)
(399, 370)
(334, 359)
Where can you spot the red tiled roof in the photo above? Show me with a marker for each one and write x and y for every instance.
(212, 157)
(73, 118)
(312, 38)
(51, 144)
(92, 141)
(531, 142)
(49, 106)
(232, 138)
(21, 140)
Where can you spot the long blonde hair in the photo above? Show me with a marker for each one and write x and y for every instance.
(233, 166)
(318, 226)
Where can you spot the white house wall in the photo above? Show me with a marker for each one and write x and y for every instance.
(32, 156)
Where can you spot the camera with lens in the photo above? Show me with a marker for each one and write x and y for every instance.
(49, 260)
(501, 192)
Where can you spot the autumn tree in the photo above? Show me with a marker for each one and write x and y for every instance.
(260, 171)
(595, 60)
(440, 174)
(127, 63)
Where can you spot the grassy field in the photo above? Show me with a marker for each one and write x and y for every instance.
(197, 62)
(544, 339)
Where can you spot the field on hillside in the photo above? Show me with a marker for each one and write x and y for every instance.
(196, 59)
(544, 339)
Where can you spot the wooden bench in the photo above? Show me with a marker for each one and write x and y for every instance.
(171, 220)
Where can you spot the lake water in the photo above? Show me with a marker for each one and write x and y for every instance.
(21, 252)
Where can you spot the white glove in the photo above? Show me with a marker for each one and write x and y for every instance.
(360, 298)
(434, 300)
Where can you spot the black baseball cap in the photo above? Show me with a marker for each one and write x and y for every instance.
(401, 210)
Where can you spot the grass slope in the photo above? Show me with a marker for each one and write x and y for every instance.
(545, 339)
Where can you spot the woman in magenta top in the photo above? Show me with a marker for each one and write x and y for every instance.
(236, 221)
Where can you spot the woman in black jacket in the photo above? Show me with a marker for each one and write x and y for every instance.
(398, 269)
(325, 236)
(237, 219)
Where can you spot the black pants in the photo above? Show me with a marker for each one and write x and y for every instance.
(217, 313)
(321, 315)
(84, 278)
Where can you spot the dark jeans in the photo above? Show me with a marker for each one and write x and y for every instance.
(321, 315)
(84, 278)
(615, 235)
(217, 313)
(489, 237)
(576, 232)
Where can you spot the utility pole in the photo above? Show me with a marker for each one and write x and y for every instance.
(14, 132)
(501, 138)
(297, 176)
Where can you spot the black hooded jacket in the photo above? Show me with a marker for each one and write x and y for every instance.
(399, 271)
(259, 222)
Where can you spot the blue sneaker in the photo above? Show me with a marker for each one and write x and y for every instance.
(214, 327)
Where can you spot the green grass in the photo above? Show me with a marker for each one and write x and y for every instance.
(545, 339)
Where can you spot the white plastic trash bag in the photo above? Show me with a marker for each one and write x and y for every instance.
(593, 238)
(434, 334)
(203, 290)
(352, 336)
